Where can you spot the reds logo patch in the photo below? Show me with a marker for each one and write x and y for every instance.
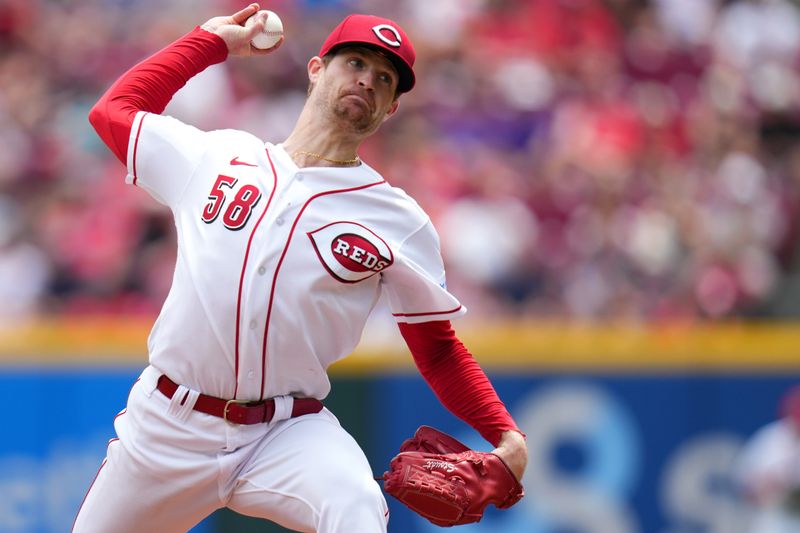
(350, 252)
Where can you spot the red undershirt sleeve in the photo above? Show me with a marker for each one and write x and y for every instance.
(456, 378)
(151, 84)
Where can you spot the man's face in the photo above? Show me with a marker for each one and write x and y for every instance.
(357, 89)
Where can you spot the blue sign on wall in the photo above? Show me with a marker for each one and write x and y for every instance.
(56, 425)
(608, 453)
(630, 454)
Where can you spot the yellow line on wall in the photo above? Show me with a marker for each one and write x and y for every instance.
(542, 346)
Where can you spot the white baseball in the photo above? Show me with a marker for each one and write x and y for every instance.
(273, 30)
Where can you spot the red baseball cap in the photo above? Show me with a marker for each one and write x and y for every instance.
(381, 34)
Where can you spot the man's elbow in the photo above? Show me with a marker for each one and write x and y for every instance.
(98, 118)
(113, 127)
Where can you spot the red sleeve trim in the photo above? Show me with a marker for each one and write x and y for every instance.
(135, 148)
(431, 313)
(456, 378)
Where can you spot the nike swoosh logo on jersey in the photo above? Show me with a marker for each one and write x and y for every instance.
(235, 161)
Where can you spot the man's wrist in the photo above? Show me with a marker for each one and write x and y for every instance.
(218, 48)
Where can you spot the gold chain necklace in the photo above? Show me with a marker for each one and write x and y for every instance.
(353, 161)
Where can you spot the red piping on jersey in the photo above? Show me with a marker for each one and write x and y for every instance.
(136, 147)
(244, 267)
(280, 262)
(431, 313)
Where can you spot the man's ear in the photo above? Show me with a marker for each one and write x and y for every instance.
(314, 67)
(392, 109)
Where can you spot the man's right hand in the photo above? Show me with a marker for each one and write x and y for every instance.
(231, 29)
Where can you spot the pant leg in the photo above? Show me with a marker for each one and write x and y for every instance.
(126, 499)
(311, 476)
(149, 480)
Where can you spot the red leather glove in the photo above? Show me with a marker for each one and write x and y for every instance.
(441, 479)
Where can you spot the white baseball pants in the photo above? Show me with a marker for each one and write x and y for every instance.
(172, 466)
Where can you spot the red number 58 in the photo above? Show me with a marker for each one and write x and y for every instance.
(239, 209)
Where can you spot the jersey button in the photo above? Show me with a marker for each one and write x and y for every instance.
(251, 375)
(299, 177)
(262, 270)
(279, 222)
(252, 324)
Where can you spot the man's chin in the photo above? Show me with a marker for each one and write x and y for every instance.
(357, 117)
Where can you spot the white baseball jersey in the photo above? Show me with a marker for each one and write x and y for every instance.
(278, 266)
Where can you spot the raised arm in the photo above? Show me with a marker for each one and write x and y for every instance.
(151, 84)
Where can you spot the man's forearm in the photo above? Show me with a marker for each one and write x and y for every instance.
(456, 378)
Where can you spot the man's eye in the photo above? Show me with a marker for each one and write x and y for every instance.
(355, 62)
(386, 78)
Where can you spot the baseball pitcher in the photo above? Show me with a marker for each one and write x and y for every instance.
(283, 251)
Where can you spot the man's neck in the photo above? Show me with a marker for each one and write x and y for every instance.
(319, 143)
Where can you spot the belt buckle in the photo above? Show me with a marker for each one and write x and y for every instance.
(227, 406)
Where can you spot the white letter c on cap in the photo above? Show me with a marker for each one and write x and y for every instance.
(397, 39)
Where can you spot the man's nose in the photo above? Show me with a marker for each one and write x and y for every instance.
(367, 79)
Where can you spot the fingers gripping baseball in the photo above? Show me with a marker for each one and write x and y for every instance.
(232, 30)
(444, 481)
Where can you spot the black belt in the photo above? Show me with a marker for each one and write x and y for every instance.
(241, 411)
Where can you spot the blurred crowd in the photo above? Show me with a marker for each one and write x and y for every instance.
(581, 159)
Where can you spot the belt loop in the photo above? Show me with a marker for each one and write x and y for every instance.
(149, 380)
(182, 402)
(283, 407)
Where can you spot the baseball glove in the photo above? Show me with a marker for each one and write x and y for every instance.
(442, 480)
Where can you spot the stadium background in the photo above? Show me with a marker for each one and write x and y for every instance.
(616, 188)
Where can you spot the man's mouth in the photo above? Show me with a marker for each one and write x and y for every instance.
(359, 98)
